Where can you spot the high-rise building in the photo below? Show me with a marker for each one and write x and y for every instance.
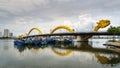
(10, 34)
(6, 33)
(0, 34)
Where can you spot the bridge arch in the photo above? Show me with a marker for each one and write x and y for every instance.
(37, 29)
(62, 27)
(68, 52)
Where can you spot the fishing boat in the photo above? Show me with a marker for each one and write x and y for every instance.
(19, 42)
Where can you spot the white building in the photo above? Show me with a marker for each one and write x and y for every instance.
(6, 33)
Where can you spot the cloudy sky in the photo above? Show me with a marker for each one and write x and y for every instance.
(19, 16)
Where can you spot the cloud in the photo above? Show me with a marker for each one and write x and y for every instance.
(78, 14)
(3, 14)
(20, 6)
(81, 23)
(56, 8)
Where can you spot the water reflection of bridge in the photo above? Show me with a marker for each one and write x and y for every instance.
(79, 46)
(104, 56)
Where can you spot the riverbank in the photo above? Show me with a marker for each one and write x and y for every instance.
(6, 37)
(116, 43)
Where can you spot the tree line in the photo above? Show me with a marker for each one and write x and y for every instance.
(114, 29)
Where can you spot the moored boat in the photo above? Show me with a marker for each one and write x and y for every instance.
(19, 43)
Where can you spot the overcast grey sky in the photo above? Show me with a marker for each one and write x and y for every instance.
(21, 15)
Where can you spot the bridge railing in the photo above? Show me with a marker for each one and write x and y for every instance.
(77, 34)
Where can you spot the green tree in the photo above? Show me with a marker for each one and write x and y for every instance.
(114, 29)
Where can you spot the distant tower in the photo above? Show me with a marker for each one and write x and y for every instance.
(0, 34)
(6, 33)
(10, 34)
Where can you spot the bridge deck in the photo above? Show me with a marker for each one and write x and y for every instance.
(76, 34)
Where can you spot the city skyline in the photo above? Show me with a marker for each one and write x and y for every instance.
(22, 15)
(6, 33)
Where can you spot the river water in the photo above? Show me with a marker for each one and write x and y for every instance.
(89, 55)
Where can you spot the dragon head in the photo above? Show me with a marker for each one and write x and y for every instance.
(102, 24)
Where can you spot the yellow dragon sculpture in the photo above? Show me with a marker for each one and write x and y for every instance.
(101, 24)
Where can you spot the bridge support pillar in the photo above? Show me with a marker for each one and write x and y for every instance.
(78, 38)
(83, 38)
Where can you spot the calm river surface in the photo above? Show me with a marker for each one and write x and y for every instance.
(89, 55)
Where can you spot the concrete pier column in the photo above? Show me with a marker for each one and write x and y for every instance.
(78, 38)
(83, 38)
